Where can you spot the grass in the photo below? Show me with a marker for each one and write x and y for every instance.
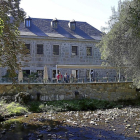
(64, 105)
(80, 105)
(12, 109)
(132, 102)
(10, 121)
(36, 106)
(16, 108)
(72, 105)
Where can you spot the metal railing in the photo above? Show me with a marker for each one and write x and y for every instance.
(71, 80)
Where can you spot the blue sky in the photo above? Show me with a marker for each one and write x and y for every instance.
(95, 12)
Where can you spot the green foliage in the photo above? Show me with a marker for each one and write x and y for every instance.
(120, 45)
(16, 108)
(12, 108)
(25, 74)
(132, 102)
(64, 105)
(12, 50)
(134, 17)
(74, 105)
(34, 106)
(33, 75)
(11, 121)
(7, 75)
(1, 27)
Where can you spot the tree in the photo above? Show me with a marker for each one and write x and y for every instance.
(134, 17)
(12, 50)
(121, 45)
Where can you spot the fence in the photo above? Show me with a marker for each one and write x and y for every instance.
(71, 80)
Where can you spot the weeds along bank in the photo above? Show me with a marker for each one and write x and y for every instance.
(49, 92)
(13, 108)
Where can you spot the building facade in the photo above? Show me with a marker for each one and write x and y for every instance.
(60, 42)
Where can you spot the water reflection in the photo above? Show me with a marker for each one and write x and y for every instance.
(91, 125)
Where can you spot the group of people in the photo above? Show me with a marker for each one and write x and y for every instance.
(66, 78)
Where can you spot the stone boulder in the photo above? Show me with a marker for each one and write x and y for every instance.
(23, 97)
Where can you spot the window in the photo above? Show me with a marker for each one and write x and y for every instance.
(39, 49)
(73, 26)
(40, 73)
(55, 49)
(89, 51)
(74, 50)
(75, 73)
(54, 73)
(28, 48)
(28, 22)
(54, 23)
(26, 73)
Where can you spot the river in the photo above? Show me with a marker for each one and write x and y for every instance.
(110, 124)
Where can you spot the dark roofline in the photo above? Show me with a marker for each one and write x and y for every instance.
(58, 20)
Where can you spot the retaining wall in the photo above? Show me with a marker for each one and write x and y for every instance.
(48, 92)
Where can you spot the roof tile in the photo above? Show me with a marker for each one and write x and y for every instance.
(42, 27)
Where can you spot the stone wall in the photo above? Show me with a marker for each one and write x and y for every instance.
(36, 62)
(48, 92)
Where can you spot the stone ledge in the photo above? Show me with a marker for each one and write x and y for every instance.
(100, 90)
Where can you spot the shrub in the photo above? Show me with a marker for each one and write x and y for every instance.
(16, 108)
(34, 106)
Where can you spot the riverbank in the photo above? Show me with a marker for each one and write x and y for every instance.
(71, 119)
(118, 124)
(14, 108)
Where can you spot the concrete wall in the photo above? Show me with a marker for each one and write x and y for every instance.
(101, 91)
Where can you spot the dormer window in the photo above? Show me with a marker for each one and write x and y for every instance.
(72, 25)
(54, 23)
(28, 22)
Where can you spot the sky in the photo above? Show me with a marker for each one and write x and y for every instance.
(94, 12)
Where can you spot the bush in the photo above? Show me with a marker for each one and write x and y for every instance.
(34, 106)
(16, 108)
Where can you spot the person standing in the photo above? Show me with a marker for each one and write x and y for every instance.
(71, 78)
(59, 77)
(92, 77)
(66, 78)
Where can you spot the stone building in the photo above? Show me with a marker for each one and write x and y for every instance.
(61, 42)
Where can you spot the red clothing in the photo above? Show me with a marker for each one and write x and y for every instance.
(59, 77)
